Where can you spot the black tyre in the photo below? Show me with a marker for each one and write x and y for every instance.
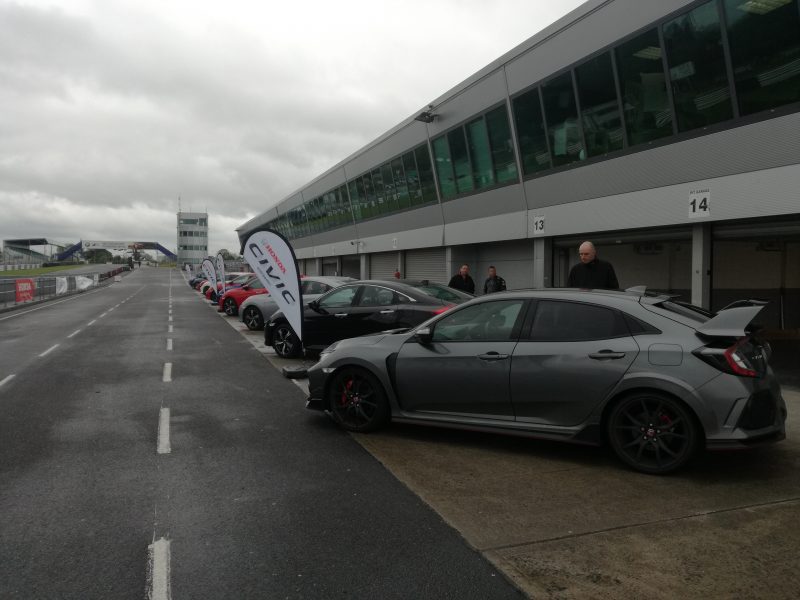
(285, 342)
(252, 318)
(230, 308)
(652, 433)
(357, 400)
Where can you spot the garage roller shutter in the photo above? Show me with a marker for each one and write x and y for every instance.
(382, 265)
(311, 266)
(430, 263)
(351, 266)
(330, 266)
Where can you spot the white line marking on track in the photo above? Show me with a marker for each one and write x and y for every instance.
(103, 315)
(170, 329)
(163, 432)
(74, 333)
(48, 351)
(169, 344)
(167, 372)
(158, 575)
(170, 317)
(92, 322)
(170, 311)
(7, 379)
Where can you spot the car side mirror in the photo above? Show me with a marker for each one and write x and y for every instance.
(313, 305)
(424, 336)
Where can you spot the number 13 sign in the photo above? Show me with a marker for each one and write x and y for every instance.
(699, 204)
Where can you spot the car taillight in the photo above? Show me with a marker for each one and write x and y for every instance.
(742, 358)
(444, 309)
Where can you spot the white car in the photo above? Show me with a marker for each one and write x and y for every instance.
(255, 311)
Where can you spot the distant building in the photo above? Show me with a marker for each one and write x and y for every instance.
(192, 238)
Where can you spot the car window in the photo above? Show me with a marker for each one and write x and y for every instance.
(256, 285)
(442, 292)
(576, 321)
(339, 297)
(490, 321)
(376, 296)
(315, 287)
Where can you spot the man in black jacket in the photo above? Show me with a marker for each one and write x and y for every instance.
(494, 283)
(462, 281)
(591, 272)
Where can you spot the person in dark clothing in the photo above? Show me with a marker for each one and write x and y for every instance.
(462, 281)
(494, 283)
(591, 272)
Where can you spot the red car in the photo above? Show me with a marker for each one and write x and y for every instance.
(232, 299)
(232, 280)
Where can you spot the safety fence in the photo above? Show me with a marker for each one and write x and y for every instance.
(18, 290)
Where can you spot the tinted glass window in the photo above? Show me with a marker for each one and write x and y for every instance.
(480, 153)
(444, 168)
(644, 91)
(602, 123)
(390, 192)
(380, 199)
(461, 163)
(490, 321)
(412, 179)
(575, 321)
(355, 198)
(339, 298)
(376, 296)
(697, 72)
(315, 287)
(531, 133)
(369, 208)
(442, 292)
(764, 39)
(425, 174)
(566, 145)
(400, 184)
(502, 148)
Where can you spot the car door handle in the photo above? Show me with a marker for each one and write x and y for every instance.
(340, 315)
(387, 312)
(492, 356)
(607, 355)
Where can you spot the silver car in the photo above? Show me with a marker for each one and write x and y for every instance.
(654, 378)
(256, 310)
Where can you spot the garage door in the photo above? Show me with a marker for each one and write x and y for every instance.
(382, 265)
(351, 266)
(311, 266)
(430, 263)
(330, 266)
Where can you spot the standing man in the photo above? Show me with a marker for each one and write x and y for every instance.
(462, 281)
(591, 272)
(494, 283)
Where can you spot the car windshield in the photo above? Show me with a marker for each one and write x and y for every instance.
(442, 292)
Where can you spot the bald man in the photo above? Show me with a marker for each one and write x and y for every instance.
(592, 273)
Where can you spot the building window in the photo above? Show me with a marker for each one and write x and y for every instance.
(700, 88)
(426, 177)
(480, 153)
(566, 143)
(400, 183)
(531, 133)
(602, 122)
(412, 180)
(444, 168)
(388, 188)
(502, 147)
(764, 40)
(644, 92)
(461, 162)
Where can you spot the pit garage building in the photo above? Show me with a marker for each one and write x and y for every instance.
(666, 131)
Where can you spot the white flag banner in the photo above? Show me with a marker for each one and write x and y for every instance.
(83, 283)
(272, 259)
(221, 271)
(210, 273)
(61, 285)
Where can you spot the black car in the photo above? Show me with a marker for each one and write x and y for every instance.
(360, 308)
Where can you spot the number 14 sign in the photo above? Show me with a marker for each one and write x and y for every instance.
(699, 204)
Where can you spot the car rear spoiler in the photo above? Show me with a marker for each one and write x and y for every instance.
(732, 321)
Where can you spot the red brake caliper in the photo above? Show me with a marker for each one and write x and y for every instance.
(347, 387)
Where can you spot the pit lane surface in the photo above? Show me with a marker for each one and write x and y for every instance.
(146, 448)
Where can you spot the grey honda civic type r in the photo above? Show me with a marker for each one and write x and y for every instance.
(654, 378)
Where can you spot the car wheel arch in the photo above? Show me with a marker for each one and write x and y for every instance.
(369, 368)
(622, 395)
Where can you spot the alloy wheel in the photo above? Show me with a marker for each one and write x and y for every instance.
(285, 342)
(253, 319)
(357, 400)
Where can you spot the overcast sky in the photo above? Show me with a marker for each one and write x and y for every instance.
(110, 110)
